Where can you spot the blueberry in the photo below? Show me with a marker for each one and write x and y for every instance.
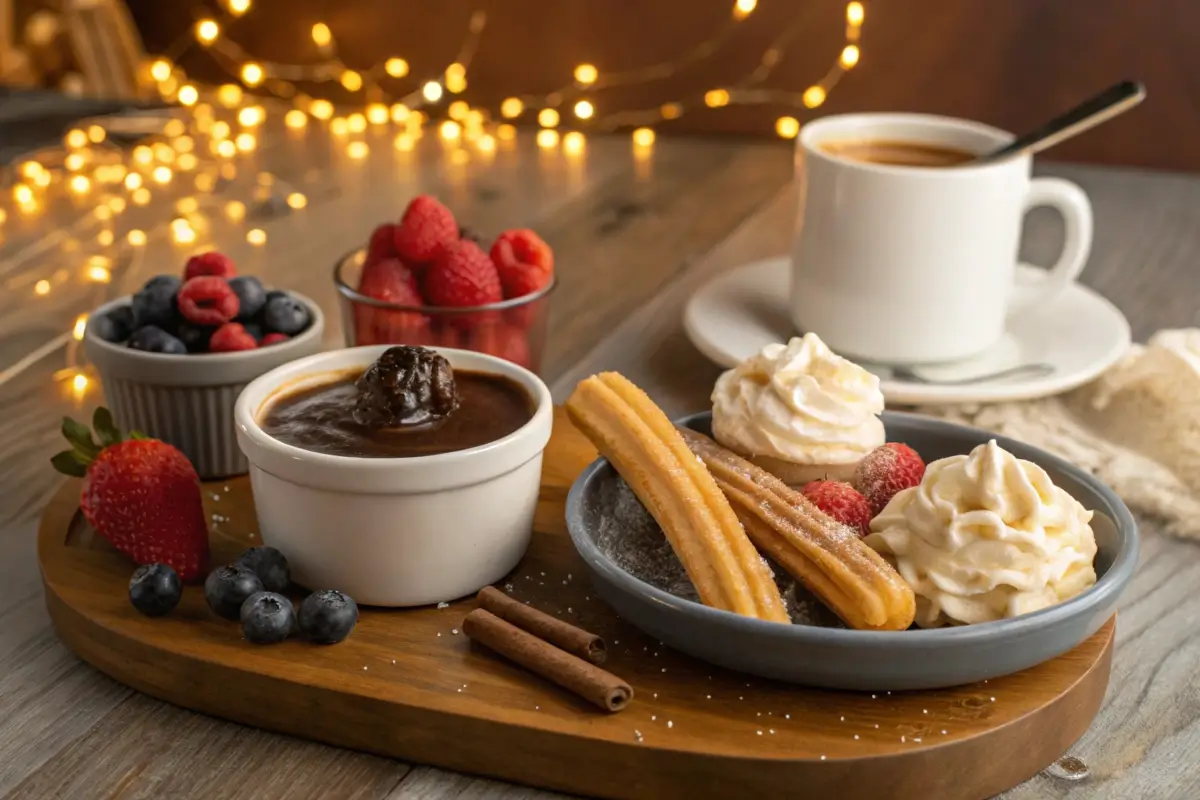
(327, 616)
(273, 293)
(195, 337)
(115, 326)
(254, 329)
(226, 588)
(285, 314)
(269, 565)
(154, 339)
(155, 589)
(267, 618)
(250, 294)
(154, 303)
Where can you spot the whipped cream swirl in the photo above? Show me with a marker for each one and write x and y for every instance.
(801, 403)
(986, 536)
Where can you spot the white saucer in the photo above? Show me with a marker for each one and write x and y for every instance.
(1078, 332)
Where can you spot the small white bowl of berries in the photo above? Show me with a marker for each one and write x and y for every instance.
(174, 356)
(427, 281)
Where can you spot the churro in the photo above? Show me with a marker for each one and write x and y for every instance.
(826, 556)
(675, 487)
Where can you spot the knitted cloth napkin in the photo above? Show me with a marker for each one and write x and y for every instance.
(1136, 427)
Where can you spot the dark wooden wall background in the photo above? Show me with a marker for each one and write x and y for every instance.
(1008, 62)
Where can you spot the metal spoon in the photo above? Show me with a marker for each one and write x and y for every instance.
(1032, 370)
(1113, 101)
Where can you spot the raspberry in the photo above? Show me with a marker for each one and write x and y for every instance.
(273, 338)
(462, 276)
(382, 244)
(231, 337)
(516, 253)
(210, 263)
(885, 471)
(207, 300)
(426, 229)
(842, 502)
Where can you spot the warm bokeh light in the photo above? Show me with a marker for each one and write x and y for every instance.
(136, 237)
(547, 138)
(584, 109)
(339, 127)
(814, 96)
(117, 204)
(486, 143)
(105, 238)
(456, 78)
(573, 143)
(432, 91)
(140, 197)
(252, 74)
(450, 130)
(188, 95)
(183, 144)
(643, 137)
(854, 13)
(356, 123)
(585, 74)
(321, 109)
(161, 175)
(207, 31)
(73, 162)
(256, 237)
(377, 114)
(787, 127)
(399, 112)
(715, 98)
(357, 150)
(186, 162)
(79, 385)
(80, 184)
(42, 287)
(226, 149)
(76, 138)
(80, 325)
(187, 205)
(143, 154)
(160, 70)
(850, 55)
(458, 110)
(548, 118)
(133, 181)
(229, 95)
(220, 130)
(321, 35)
(97, 273)
(296, 200)
(404, 143)
(396, 67)
(506, 132)
(511, 107)
(670, 110)
(96, 134)
(742, 8)
(295, 119)
(239, 7)
(251, 116)
(245, 142)
(351, 81)
(235, 210)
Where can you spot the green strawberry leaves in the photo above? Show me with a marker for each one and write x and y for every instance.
(68, 463)
(85, 448)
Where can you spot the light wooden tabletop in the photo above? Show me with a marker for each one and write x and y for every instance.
(634, 236)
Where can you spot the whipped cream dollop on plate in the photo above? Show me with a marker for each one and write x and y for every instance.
(986, 536)
(799, 402)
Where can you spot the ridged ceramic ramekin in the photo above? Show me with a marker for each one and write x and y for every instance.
(188, 400)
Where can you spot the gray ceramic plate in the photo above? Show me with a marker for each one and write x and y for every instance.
(867, 660)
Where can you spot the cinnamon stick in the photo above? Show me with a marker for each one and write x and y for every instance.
(586, 680)
(564, 635)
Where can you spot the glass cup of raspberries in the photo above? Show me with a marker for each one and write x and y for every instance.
(426, 281)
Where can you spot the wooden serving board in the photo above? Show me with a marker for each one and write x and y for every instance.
(408, 684)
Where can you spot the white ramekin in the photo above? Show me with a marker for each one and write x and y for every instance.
(394, 531)
(187, 400)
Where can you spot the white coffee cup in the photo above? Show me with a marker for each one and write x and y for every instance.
(916, 265)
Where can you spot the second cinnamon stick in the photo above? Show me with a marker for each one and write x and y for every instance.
(586, 680)
(564, 635)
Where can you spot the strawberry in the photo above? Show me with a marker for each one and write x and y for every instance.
(140, 494)
(392, 282)
(887, 470)
(842, 502)
(462, 275)
(504, 341)
(426, 229)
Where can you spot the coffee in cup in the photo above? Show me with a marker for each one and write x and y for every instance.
(897, 153)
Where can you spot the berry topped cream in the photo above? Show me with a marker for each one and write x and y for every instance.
(986, 536)
(799, 411)
(410, 402)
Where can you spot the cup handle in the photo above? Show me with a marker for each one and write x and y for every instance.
(1072, 203)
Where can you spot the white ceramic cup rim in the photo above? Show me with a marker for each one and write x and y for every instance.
(389, 475)
(867, 124)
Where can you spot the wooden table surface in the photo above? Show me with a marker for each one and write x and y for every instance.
(633, 237)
